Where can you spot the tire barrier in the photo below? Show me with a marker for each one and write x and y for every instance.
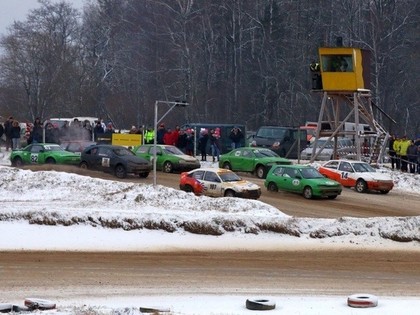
(11, 308)
(39, 304)
(362, 300)
(260, 304)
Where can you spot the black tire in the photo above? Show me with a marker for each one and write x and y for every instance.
(362, 300)
(50, 161)
(84, 165)
(144, 174)
(307, 192)
(230, 193)
(17, 161)
(272, 187)
(188, 189)
(360, 186)
(168, 167)
(227, 166)
(120, 171)
(260, 304)
(332, 197)
(260, 171)
(384, 192)
(39, 304)
(154, 310)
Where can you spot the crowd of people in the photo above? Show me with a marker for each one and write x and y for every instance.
(404, 154)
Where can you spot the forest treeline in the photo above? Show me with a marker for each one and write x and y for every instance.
(233, 61)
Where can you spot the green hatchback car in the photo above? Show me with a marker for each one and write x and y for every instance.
(302, 179)
(43, 153)
(168, 158)
(250, 159)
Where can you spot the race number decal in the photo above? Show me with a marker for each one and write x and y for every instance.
(213, 186)
(344, 175)
(105, 162)
(295, 182)
(34, 158)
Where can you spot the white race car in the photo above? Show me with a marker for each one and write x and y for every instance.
(357, 174)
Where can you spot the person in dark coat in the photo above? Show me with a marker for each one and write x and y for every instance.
(37, 131)
(202, 144)
(412, 157)
(8, 132)
(15, 134)
(236, 137)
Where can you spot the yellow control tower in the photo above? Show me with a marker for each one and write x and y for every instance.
(343, 77)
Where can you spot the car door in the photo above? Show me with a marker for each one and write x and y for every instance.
(212, 184)
(346, 171)
(101, 159)
(285, 182)
(36, 154)
(235, 160)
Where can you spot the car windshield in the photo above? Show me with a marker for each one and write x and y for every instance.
(173, 150)
(122, 152)
(264, 153)
(363, 167)
(229, 177)
(310, 173)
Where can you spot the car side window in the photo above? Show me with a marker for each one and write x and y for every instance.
(278, 171)
(36, 149)
(333, 165)
(103, 151)
(289, 173)
(246, 153)
(345, 166)
(198, 174)
(211, 177)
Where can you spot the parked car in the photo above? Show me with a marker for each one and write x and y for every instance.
(345, 148)
(168, 157)
(301, 179)
(43, 153)
(76, 146)
(251, 159)
(114, 159)
(218, 182)
(357, 174)
(285, 141)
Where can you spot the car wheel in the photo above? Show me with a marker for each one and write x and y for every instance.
(50, 161)
(168, 167)
(227, 166)
(260, 171)
(83, 165)
(144, 174)
(307, 192)
(384, 192)
(361, 186)
(120, 171)
(260, 304)
(17, 162)
(332, 197)
(229, 193)
(272, 187)
(188, 189)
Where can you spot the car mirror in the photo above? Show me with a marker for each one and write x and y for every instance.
(298, 177)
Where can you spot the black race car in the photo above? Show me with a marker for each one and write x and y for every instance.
(114, 159)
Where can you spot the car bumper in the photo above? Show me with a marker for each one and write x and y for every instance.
(249, 194)
(326, 192)
(380, 185)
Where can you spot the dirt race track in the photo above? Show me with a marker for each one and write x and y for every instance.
(328, 270)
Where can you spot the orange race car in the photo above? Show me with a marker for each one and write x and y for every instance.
(357, 174)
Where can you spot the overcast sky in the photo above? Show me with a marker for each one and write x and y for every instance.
(17, 10)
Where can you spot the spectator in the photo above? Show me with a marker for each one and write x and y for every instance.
(412, 156)
(51, 133)
(214, 144)
(160, 133)
(182, 140)
(403, 153)
(236, 137)
(109, 129)
(397, 149)
(391, 151)
(190, 140)
(37, 131)
(15, 134)
(8, 132)
(1, 130)
(98, 131)
(202, 144)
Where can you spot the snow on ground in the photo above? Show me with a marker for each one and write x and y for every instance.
(48, 210)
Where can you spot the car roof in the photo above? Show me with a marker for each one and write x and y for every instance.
(213, 169)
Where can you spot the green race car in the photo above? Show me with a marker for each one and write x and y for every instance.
(251, 159)
(168, 158)
(301, 179)
(43, 153)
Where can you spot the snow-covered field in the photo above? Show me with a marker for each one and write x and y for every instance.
(62, 211)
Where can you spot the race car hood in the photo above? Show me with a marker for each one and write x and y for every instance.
(327, 182)
(187, 157)
(241, 185)
(373, 176)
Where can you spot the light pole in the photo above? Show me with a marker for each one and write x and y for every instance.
(172, 106)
